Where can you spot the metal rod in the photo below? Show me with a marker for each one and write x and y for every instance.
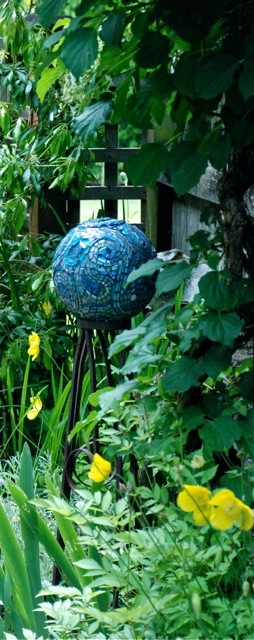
(110, 379)
(76, 387)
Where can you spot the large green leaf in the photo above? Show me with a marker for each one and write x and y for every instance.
(221, 433)
(216, 360)
(221, 327)
(217, 294)
(48, 77)
(182, 374)
(125, 339)
(36, 523)
(48, 10)
(15, 567)
(185, 74)
(246, 79)
(215, 75)
(91, 118)
(112, 27)
(186, 165)
(246, 385)
(172, 276)
(145, 166)
(147, 269)
(153, 49)
(30, 538)
(79, 51)
(108, 398)
(217, 144)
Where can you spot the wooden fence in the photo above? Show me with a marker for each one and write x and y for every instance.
(166, 219)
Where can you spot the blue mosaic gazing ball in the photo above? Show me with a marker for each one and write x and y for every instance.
(91, 265)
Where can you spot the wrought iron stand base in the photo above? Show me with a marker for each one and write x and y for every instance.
(85, 348)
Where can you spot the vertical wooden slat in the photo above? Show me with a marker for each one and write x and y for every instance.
(151, 200)
(111, 168)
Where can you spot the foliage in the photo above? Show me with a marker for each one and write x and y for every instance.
(182, 414)
(196, 74)
(166, 579)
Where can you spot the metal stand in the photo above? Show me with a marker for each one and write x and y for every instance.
(85, 348)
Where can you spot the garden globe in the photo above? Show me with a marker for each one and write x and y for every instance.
(91, 266)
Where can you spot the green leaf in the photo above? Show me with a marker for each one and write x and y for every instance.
(182, 374)
(247, 431)
(246, 79)
(221, 433)
(141, 356)
(147, 269)
(185, 74)
(219, 147)
(125, 339)
(246, 385)
(221, 327)
(91, 118)
(48, 11)
(54, 38)
(215, 75)
(112, 28)
(47, 539)
(192, 417)
(216, 360)
(186, 166)
(156, 43)
(108, 398)
(172, 276)
(79, 51)
(145, 166)
(16, 569)
(30, 538)
(216, 292)
(48, 77)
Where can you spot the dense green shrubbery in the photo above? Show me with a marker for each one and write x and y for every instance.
(139, 562)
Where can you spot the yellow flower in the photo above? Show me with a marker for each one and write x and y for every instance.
(34, 342)
(36, 408)
(227, 509)
(195, 499)
(100, 469)
(47, 308)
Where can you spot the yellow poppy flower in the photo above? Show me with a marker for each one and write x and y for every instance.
(36, 408)
(47, 308)
(34, 342)
(100, 469)
(195, 499)
(227, 509)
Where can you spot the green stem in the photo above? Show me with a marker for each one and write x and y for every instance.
(22, 412)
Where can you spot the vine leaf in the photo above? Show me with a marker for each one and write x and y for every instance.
(48, 10)
(79, 51)
(145, 166)
(220, 433)
(91, 118)
(182, 374)
(172, 276)
(221, 327)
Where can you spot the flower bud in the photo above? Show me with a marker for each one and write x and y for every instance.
(196, 605)
(197, 462)
(246, 588)
(218, 558)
